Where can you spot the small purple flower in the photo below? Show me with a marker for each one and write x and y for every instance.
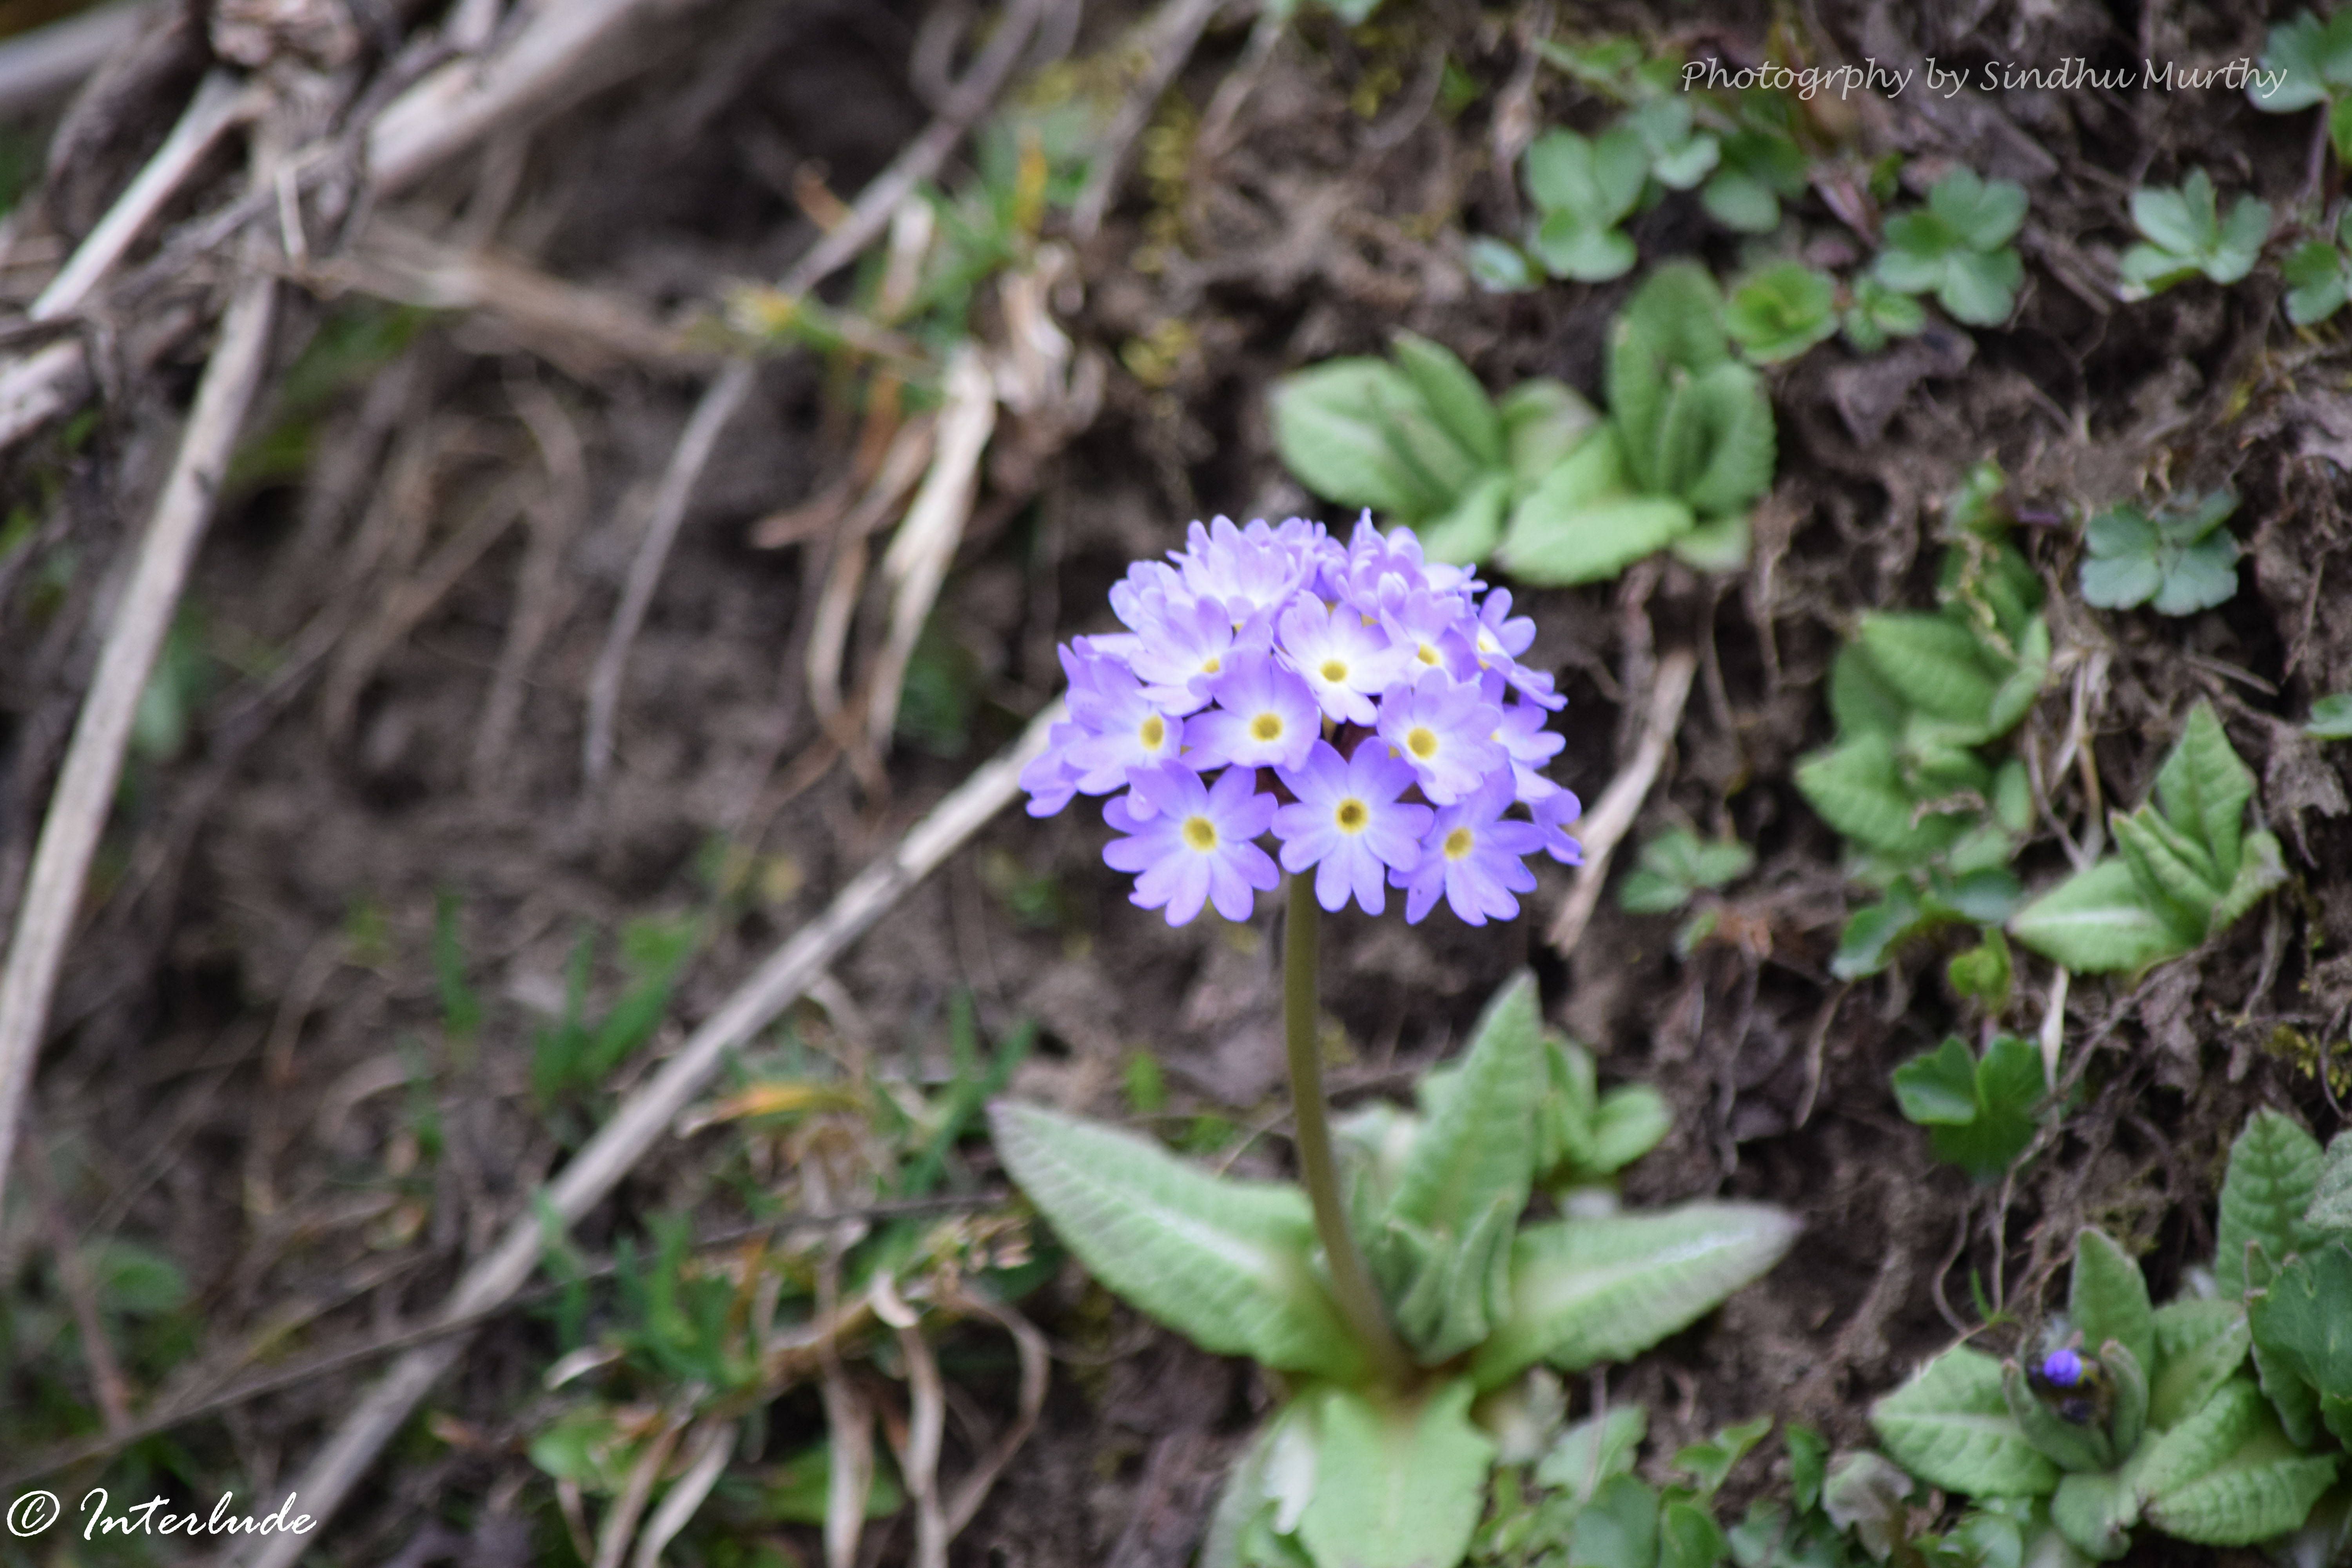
(1344, 662)
(1249, 569)
(1524, 739)
(1179, 655)
(1474, 857)
(1552, 814)
(1047, 777)
(1431, 630)
(1442, 728)
(1195, 847)
(1349, 823)
(1128, 731)
(2063, 1368)
(1264, 717)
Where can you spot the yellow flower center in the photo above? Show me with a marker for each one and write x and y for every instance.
(1428, 654)
(1421, 742)
(1214, 665)
(1267, 726)
(1334, 670)
(1154, 732)
(1352, 817)
(1201, 833)
(1457, 843)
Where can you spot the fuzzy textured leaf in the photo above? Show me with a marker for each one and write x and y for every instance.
(1951, 1426)
(2303, 1324)
(1330, 424)
(1560, 545)
(1399, 1483)
(1479, 1147)
(2273, 1172)
(2108, 1297)
(1454, 395)
(2227, 1476)
(1225, 1263)
(2200, 1343)
(2331, 1197)
(1606, 1288)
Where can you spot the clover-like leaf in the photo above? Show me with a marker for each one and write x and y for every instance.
(1877, 313)
(1399, 1482)
(1950, 1425)
(1677, 864)
(1583, 188)
(2180, 556)
(1780, 312)
(2185, 235)
(1759, 169)
(1958, 247)
(1225, 1263)
(1498, 267)
(1607, 1287)
(1980, 1115)
(2314, 59)
(2272, 1175)
(1680, 157)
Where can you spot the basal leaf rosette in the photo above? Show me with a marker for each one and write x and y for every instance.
(1363, 705)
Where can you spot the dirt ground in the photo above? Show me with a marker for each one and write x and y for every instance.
(233, 1064)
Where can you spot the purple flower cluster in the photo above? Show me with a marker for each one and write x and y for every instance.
(1383, 693)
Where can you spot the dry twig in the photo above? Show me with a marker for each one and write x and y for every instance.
(1601, 828)
(94, 764)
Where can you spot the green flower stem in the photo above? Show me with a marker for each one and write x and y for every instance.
(1351, 1283)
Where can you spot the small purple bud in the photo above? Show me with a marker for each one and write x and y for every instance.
(2063, 1368)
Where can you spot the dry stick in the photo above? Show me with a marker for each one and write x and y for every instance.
(867, 219)
(94, 764)
(1606, 822)
(219, 104)
(649, 1111)
(36, 67)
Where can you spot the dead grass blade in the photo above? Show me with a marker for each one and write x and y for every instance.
(712, 1446)
(919, 1452)
(620, 1524)
(93, 764)
(651, 1110)
(1604, 826)
(974, 1489)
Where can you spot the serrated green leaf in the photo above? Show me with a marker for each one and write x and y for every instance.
(2261, 867)
(1329, 425)
(1860, 701)
(1674, 323)
(1780, 312)
(2108, 1297)
(2174, 874)
(1984, 213)
(1399, 1483)
(2273, 1170)
(1939, 1088)
(1981, 289)
(2227, 1476)
(1716, 544)
(2240, 243)
(1951, 1426)
(1605, 1288)
(1225, 1263)
(1934, 663)
(2098, 921)
(2203, 576)
(2302, 1325)
(1985, 1132)
(1569, 247)
(1736, 444)
(1454, 395)
(1857, 789)
(2198, 1345)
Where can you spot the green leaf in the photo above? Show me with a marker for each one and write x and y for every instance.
(2179, 557)
(2108, 1299)
(1985, 972)
(1454, 395)
(1571, 248)
(1675, 865)
(1674, 323)
(1732, 441)
(2095, 1513)
(1619, 1529)
(2331, 718)
(1983, 212)
(2180, 220)
(1397, 1483)
(1709, 1463)
(2078, 1449)
(1861, 701)
(2316, 282)
(1869, 1498)
(1497, 266)
(2098, 921)
(1593, 1450)
(1225, 1263)
(1871, 934)
(2273, 1172)
(1479, 1147)
(2187, 236)
(2331, 1194)
(1471, 530)
(1934, 663)
(1544, 420)
(1980, 290)
(1330, 424)
(2227, 1476)
(1739, 200)
(2173, 873)
(1597, 180)
(1717, 544)
(1627, 1123)
(2301, 1325)
(2305, 50)
(1605, 1288)
(1781, 312)
(1688, 1536)
(2204, 789)
(2198, 1344)
(1951, 1426)
(1857, 789)
(1556, 547)
(1981, 1115)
